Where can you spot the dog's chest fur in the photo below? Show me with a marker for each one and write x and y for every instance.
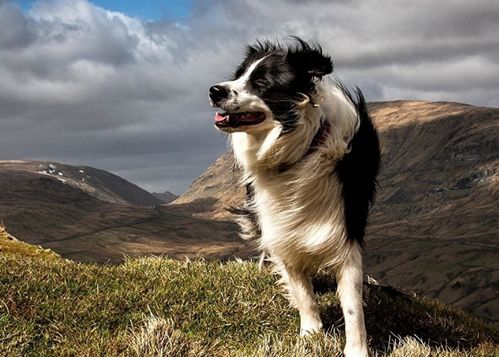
(301, 218)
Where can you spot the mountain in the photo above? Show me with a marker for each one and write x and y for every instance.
(98, 219)
(165, 197)
(434, 226)
(215, 190)
(97, 183)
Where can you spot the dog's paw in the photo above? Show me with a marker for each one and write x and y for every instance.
(310, 328)
(355, 351)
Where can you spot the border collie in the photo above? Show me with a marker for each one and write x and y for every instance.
(310, 155)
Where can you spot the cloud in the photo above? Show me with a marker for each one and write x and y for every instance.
(86, 85)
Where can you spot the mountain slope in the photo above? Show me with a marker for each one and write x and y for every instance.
(218, 188)
(97, 183)
(165, 197)
(42, 209)
(434, 225)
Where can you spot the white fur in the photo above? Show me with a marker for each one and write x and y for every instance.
(300, 210)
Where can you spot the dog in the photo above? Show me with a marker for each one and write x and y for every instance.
(309, 154)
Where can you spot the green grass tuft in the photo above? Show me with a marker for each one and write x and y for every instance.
(161, 307)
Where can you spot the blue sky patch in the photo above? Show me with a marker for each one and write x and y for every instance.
(146, 10)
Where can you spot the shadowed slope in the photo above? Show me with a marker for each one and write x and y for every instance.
(43, 210)
(97, 183)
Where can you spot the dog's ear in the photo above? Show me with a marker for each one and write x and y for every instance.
(309, 60)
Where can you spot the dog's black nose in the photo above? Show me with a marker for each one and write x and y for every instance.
(217, 93)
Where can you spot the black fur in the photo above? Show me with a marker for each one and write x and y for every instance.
(357, 171)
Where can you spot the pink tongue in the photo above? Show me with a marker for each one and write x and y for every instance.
(220, 117)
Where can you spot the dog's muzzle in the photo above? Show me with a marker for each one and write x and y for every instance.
(218, 93)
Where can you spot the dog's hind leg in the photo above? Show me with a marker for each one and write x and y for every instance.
(301, 295)
(349, 279)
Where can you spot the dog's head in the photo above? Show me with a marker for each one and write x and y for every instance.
(268, 87)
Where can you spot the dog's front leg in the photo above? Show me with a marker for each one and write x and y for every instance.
(301, 294)
(349, 278)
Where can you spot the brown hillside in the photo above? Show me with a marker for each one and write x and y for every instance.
(434, 226)
(42, 209)
(97, 183)
(165, 197)
(215, 190)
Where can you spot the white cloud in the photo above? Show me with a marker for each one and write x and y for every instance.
(130, 96)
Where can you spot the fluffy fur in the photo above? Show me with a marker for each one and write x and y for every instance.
(310, 155)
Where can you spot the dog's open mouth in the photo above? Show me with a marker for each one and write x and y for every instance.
(234, 120)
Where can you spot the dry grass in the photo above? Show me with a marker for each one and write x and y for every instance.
(10, 245)
(158, 337)
(161, 307)
(412, 347)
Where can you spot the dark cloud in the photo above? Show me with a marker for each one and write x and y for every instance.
(84, 85)
(16, 30)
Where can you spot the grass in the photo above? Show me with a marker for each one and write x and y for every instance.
(160, 307)
(10, 245)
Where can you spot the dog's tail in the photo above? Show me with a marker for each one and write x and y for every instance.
(358, 170)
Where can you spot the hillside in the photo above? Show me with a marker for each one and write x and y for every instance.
(214, 190)
(97, 183)
(43, 209)
(165, 197)
(434, 226)
(161, 307)
(11, 246)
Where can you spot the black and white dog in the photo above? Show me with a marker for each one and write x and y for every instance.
(310, 155)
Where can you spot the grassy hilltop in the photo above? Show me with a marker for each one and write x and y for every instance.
(50, 306)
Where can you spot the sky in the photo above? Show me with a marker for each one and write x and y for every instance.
(122, 85)
(152, 10)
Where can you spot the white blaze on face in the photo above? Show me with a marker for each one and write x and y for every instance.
(240, 99)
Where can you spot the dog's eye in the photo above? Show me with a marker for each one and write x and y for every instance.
(260, 83)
